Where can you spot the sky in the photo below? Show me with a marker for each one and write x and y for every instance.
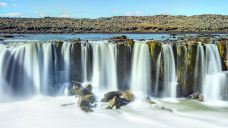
(108, 8)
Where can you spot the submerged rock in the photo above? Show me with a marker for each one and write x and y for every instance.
(148, 100)
(196, 96)
(201, 98)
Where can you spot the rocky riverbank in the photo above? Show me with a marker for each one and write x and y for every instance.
(117, 24)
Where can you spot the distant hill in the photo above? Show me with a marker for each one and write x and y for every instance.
(117, 24)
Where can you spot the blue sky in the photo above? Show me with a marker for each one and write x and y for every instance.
(107, 8)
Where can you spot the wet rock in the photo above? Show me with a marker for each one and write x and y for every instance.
(127, 95)
(167, 109)
(76, 88)
(110, 95)
(77, 40)
(118, 99)
(117, 103)
(194, 95)
(201, 98)
(122, 39)
(86, 109)
(148, 100)
(87, 89)
(86, 102)
(119, 38)
(197, 96)
(68, 104)
(86, 98)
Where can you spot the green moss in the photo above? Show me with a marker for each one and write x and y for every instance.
(221, 47)
(153, 45)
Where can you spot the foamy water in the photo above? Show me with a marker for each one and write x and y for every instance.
(46, 112)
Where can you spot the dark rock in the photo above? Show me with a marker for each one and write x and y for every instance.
(110, 95)
(8, 36)
(197, 96)
(194, 95)
(86, 102)
(168, 109)
(201, 98)
(86, 109)
(78, 40)
(148, 100)
(116, 102)
(118, 99)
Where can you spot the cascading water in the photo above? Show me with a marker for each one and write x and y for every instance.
(215, 79)
(140, 79)
(66, 54)
(30, 68)
(158, 66)
(84, 57)
(170, 82)
(46, 68)
(199, 73)
(104, 65)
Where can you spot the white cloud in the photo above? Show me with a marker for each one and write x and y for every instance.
(10, 14)
(133, 13)
(3, 4)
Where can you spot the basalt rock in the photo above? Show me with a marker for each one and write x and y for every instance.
(77, 40)
(110, 95)
(118, 99)
(196, 96)
(122, 39)
(86, 98)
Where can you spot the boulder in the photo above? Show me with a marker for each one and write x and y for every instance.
(76, 90)
(87, 89)
(127, 95)
(201, 98)
(117, 99)
(110, 95)
(116, 102)
(194, 95)
(86, 102)
(197, 96)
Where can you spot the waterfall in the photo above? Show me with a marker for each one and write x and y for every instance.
(158, 66)
(66, 54)
(199, 73)
(30, 68)
(104, 75)
(215, 80)
(140, 79)
(170, 82)
(47, 68)
(84, 57)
